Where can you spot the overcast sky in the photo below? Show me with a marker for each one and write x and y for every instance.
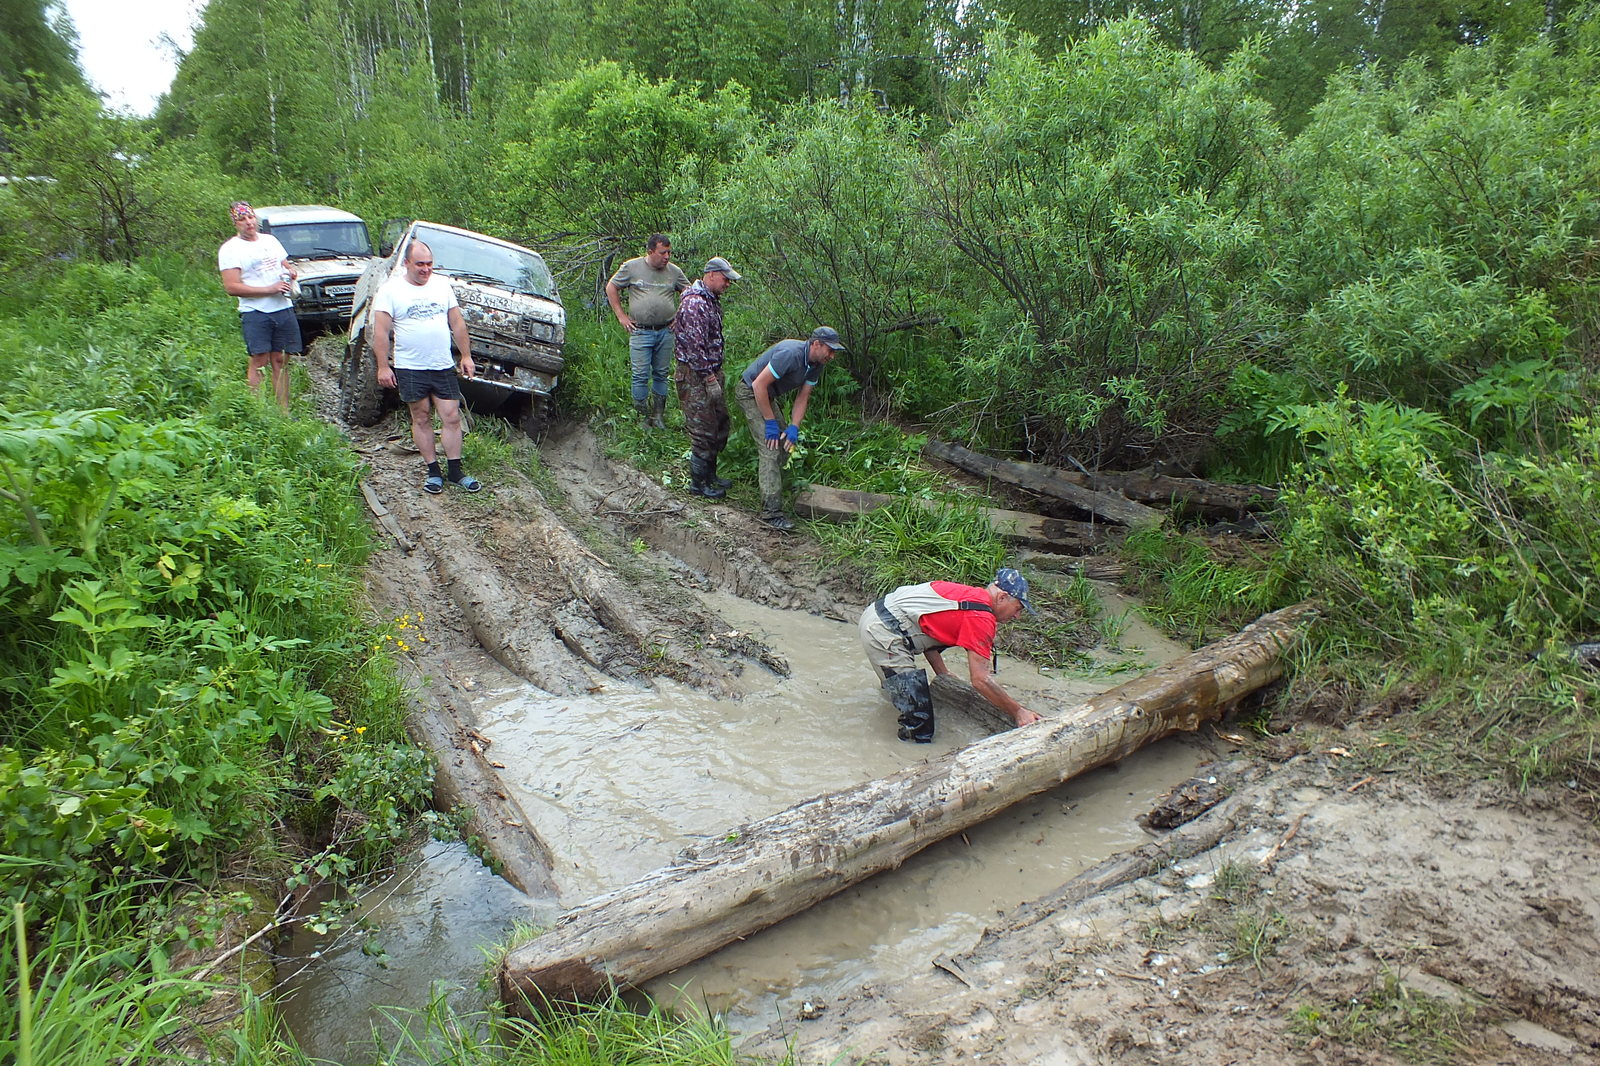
(120, 47)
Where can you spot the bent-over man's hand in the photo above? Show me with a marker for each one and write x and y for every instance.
(1026, 717)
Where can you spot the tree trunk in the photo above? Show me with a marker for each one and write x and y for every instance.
(1146, 488)
(767, 870)
(1045, 480)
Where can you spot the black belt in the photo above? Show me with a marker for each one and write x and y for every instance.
(895, 625)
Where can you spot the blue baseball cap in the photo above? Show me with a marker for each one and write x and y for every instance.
(1013, 583)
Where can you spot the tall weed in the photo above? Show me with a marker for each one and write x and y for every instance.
(82, 991)
(907, 543)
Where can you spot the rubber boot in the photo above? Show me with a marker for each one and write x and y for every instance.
(772, 514)
(644, 412)
(700, 478)
(723, 483)
(658, 412)
(908, 691)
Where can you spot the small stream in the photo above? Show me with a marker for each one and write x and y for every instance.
(619, 782)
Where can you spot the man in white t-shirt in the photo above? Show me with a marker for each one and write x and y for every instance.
(416, 315)
(256, 269)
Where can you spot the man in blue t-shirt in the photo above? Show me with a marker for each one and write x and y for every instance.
(788, 366)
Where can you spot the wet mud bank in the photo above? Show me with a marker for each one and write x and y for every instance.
(580, 631)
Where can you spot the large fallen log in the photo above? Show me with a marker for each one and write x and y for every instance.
(1049, 482)
(465, 779)
(769, 869)
(820, 501)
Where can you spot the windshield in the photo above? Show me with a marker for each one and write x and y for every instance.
(512, 268)
(309, 239)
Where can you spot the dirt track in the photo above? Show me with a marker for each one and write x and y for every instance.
(1325, 916)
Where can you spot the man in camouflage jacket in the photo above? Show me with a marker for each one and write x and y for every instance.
(698, 332)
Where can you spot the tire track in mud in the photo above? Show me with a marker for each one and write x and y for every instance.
(516, 587)
(528, 588)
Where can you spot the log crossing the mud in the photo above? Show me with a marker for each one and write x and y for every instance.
(767, 870)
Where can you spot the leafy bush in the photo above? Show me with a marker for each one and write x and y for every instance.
(821, 205)
(1490, 156)
(178, 603)
(1434, 548)
(595, 155)
(107, 190)
(1111, 201)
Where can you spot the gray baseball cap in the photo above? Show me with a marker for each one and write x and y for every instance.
(829, 336)
(719, 265)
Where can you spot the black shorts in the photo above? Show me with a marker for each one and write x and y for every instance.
(415, 385)
(270, 331)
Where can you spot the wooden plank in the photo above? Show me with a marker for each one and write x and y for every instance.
(1047, 481)
(767, 870)
(1143, 487)
(820, 501)
(385, 519)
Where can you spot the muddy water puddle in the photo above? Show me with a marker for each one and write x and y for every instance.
(621, 781)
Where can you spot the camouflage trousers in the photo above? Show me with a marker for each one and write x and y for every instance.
(705, 412)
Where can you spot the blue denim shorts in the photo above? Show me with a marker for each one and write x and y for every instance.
(270, 331)
(414, 385)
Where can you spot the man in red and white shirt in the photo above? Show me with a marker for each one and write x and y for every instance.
(926, 619)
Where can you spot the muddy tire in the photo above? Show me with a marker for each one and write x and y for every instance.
(361, 398)
(535, 421)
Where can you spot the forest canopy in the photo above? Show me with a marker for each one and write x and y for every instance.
(1346, 245)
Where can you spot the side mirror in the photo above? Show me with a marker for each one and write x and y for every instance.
(393, 230)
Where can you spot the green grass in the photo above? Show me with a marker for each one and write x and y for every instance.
(607, 1033)
(190, 681)
(84, 989)
(1390, 1016)
(1190, 595)
(905, 543)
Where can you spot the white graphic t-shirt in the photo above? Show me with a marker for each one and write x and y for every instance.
(421, 316)
(259, 262)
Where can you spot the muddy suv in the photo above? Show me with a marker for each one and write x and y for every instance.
(513, 314)
(330, 249)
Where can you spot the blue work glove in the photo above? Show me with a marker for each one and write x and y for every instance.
(793, 433)
(772, 429)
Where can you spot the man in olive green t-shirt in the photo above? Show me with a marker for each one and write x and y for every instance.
(653, 283)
